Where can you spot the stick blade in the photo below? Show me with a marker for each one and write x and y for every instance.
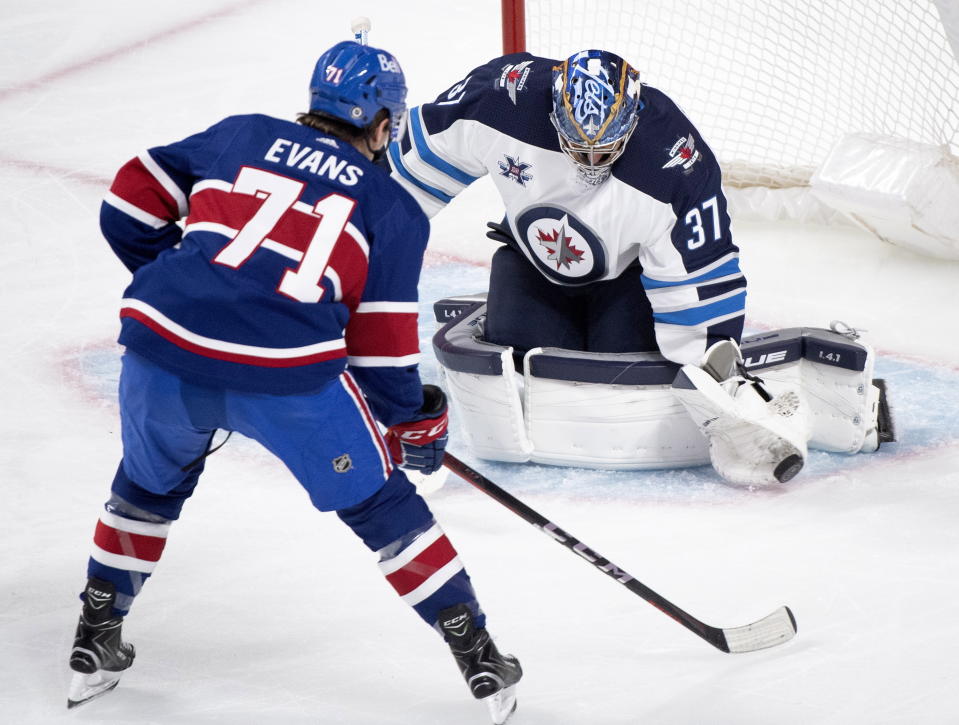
(773, 629)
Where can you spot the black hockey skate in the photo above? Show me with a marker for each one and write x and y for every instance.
(491, 676)
(99, 655)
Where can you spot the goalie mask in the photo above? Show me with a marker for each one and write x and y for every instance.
(352, 82)
(595, 105)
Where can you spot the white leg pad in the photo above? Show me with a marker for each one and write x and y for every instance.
(490, 412)
(610, 426)
(842, 405)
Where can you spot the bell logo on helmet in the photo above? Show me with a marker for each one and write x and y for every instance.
(388, 64)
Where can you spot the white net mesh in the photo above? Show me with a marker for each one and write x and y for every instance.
(773, 84)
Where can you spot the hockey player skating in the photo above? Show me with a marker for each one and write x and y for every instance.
(616, 242)
(284, 309)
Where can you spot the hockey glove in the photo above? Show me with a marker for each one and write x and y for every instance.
(500, 232)
(756, 432)
(421, 444)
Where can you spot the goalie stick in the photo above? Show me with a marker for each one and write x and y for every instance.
(771, 630)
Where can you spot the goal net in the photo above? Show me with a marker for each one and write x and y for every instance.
(773, 85)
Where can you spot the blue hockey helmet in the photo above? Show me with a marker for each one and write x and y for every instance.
(595, 106)
(352, 82)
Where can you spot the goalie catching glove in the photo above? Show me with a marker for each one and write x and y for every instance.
(756, 432)
(420, 445)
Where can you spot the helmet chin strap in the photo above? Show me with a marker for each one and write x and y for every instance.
(375, 154)
(379, 153)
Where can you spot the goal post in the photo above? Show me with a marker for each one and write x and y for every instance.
(514, 26)
(794, 94)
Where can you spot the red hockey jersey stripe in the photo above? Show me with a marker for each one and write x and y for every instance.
(351, 387)
(137, 186)
(219, 206)
(426, 564)
(231, 352)
(129, 544)
(216, 204)
(349, 260)
(382, 334)
(124, 543)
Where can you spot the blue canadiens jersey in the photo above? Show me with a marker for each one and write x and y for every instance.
(663, 206)
(295, 257)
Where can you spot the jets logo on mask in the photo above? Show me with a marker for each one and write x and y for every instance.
(513, 78)
(515, 169)
(683, 154)
(560, 246)
(592, 98)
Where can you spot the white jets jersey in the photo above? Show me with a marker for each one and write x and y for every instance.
(662, 208)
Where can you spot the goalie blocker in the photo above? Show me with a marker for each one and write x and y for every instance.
(635, 411)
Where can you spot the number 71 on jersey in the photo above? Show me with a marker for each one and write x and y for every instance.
(279, 194)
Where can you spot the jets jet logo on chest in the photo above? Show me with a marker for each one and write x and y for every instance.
(516, 170)
(560, 247)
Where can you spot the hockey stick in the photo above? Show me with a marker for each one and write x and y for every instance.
(771, 630)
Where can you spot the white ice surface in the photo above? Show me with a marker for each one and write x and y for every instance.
(265, 611)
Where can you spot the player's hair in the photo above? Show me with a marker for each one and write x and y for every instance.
(341, 129)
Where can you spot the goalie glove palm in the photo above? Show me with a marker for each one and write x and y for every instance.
(420, 445)
(755, 436)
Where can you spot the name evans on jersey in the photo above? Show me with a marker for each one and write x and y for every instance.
(316, 161)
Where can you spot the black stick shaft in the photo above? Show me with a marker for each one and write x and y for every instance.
(713, 635)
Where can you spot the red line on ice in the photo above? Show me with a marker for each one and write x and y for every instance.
(111, 55)
(57, 171)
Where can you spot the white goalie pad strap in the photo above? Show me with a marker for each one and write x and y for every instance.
(598, 425)
(489, 409)
(749, 437)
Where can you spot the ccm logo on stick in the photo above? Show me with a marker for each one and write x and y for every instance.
(594, 558)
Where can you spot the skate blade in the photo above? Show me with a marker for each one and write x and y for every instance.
(501, 704)
(84, 688)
